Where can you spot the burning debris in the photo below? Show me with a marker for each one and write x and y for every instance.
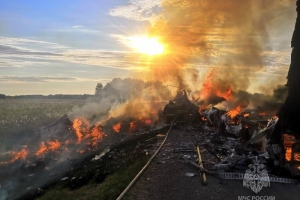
(180, 108)
(54, 149)
(236, 122)
(47, 163)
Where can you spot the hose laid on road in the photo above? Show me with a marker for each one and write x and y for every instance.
(148, 163)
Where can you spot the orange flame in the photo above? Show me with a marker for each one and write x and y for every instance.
(83, 131)
(288, 154)
(77, 123)
(42, 149)
(132, 126)
(52, 146)
(296, 156)
(96, 135)
(262, 114)
(288, 141)
(202, 108)
(234, 112)
(148, 121)
(246, 115)
(16, 156)
(207, 85)
(117, 127)
(226, 94)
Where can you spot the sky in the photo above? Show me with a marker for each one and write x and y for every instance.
(67, 47)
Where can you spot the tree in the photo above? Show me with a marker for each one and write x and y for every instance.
(99, 88)
(2, 96)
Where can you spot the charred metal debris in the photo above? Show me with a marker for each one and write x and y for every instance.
(235, 140)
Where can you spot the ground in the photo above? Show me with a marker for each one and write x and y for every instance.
(166, 176)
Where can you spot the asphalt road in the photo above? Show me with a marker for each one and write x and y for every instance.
(166, 177)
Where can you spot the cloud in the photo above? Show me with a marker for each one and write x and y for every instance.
(38, 79)
(21, 56)
(79, 29)
(14, 49)
(25, 41)
(15, 63)
(77, 26)
(138, 10)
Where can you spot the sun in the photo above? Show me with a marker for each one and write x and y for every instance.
(146, 45)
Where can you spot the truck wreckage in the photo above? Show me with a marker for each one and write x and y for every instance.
(235, 139)
(239, 139)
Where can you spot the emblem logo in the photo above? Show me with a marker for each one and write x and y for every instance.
(256, 177)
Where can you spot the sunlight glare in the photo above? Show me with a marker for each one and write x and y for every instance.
(146, 45)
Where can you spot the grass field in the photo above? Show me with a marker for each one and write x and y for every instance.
(109, 189)
(18, 114)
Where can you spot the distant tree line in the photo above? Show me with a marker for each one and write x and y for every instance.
(121, 89)
(55, 96)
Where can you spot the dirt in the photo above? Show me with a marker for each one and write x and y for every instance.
(166, 177)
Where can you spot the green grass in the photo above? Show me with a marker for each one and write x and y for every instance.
(17, 115)
(109, 189)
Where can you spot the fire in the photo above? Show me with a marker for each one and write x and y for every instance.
(234, 112)
(148, 121)
(288, 141)
(117, 127)
(211, 89)
(297, 156)
(132, 126)
(77, 123)
(262, 114)
(246, 115)
(52, 146)
(95, 135)
(207, 85)
(84, 130)
(202, 108)
(288, 154)
(225, 95)
(16, 156)
(42, 149)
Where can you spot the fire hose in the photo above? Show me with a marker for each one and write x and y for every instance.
(216, 174)
(149, 161)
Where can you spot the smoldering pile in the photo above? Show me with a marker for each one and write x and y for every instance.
(116, 113)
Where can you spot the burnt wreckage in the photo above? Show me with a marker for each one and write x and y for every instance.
(279, 136)
(180, 108)
(233, 139)
(285, 139)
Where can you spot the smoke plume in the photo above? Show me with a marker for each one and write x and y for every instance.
(227, 35)
(121, 98)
